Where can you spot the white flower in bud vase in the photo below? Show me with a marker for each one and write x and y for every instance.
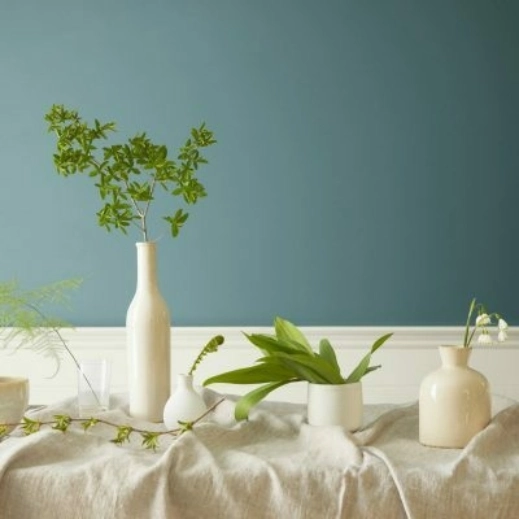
(502, 336)
(480, 326)
(485, 339)
(482, 320)
(502, 325)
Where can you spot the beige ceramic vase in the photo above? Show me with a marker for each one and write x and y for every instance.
(454, 401)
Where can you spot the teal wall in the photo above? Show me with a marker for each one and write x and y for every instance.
(367, 169)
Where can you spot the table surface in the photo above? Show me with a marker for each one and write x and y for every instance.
(274, 465)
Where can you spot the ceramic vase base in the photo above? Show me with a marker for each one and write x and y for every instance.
(335, 404)
(450, 443)
(184, 405)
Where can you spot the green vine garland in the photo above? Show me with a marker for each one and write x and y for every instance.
(62, 422)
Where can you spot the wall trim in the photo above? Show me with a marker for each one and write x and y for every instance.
(342, 337)
(406, 359)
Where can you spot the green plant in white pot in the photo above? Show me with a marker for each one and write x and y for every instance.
(288, 357)
(129, 176)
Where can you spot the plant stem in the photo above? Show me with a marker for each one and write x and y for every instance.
(466, 340)
(147, 207)
(174, 432)
(141, 214)
(65, 345)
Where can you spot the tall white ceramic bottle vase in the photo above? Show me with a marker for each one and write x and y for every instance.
(454, 402)
(184, 405)
(148, 341)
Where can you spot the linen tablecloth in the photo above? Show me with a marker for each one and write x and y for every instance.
(273, 466)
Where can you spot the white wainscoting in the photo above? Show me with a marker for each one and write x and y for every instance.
(406, 358)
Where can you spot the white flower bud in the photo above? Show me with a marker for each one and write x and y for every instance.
(502, 336)
(485, 338)
(482, 320)
(502, 324)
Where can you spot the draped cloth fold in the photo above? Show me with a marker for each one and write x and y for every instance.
(273, 466)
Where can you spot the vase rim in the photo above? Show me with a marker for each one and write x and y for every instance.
(7, 381)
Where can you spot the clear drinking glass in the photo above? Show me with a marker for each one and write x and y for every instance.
(93, 386)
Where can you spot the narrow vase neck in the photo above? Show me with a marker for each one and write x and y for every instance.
(185, 382)
(146, 265)
(454, 356)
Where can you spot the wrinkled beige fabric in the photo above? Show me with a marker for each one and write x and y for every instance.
(273, 466)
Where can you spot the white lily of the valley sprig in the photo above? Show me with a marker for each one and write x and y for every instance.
(485, 338)
(502, 326)
(483, 320)
(481, 323)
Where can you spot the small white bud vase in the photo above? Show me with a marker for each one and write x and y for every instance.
(148, 341)
(335, 404)
(454, 401)
(184, 405)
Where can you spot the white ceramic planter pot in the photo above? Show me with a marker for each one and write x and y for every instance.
(148, 341)
(14, 397)
(335, 404)
(184, 405)
(454, 401)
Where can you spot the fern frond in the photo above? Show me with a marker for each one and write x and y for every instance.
(23, 323)
(210, 347)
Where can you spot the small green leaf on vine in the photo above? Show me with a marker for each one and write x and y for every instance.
(87, 424)
(30, 426)
(62, 422)
(150, 440)
(123, 434)
(3, 430)
(185, 426)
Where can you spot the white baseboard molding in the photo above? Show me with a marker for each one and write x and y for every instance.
(406, 359)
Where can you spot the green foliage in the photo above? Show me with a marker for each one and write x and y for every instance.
(150, 440)
(211, 347)
(23, 323)
(62, 422)
(89, 423)
(363, 368)
(288, 357)
(30, 426)
(128, 174)
(123, 434)
(244, 404)
(185, 426)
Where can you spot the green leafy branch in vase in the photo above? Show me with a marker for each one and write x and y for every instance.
(127, 175)
(123, 433)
